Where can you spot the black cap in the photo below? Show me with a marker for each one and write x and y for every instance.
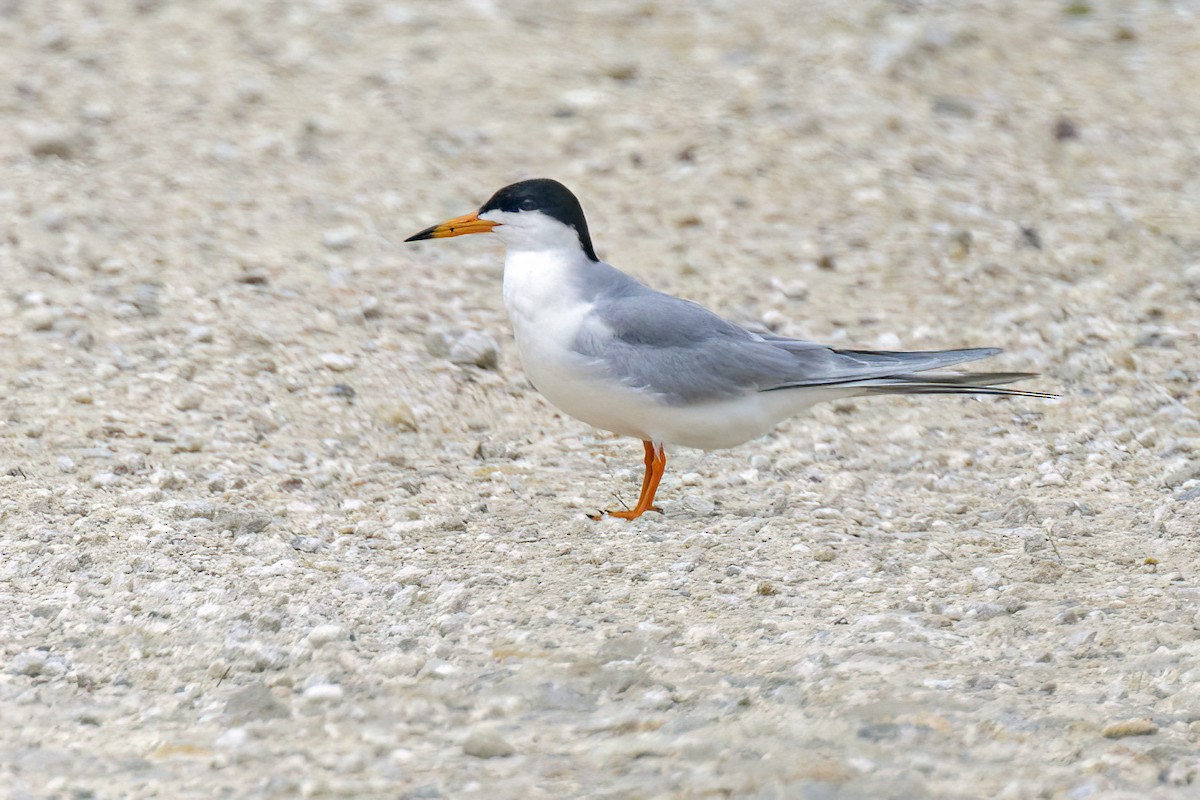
(549, 197)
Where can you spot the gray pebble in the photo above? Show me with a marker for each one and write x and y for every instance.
(307, 544)
(29, 663)
(476, 349)
(1182, 474)
(193, 509)
(487, 744)
(253, 702)
(1033, 540)
(240, 521)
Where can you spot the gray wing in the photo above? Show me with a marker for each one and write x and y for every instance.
(687, 354)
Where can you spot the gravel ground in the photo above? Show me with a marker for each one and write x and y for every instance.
(268, 530)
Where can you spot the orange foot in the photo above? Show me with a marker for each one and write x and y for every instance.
(656, 464)
(632, 513)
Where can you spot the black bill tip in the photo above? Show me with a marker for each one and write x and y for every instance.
(425, 234)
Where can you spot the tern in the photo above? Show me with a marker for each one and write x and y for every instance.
(622, 357)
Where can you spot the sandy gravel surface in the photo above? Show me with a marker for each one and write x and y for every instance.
(261, 536)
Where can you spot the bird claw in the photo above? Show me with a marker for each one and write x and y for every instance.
(623, 514)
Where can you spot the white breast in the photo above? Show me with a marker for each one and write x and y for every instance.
(546, 313)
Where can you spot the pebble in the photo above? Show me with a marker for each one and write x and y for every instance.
(241, 521)
(55, 141)
(1046, 572)
(103, 480)
(194, 509)
(324, 634)
(189, 401)
(396, 413)
(30, 663)
(231, 739)
(324, 693)
(1182, 474)
(475, 349)
(41, 318)
(1033, 540)
(337, 362)
(487, 744)
(1052, 479)
(340, 238)
(1129, 727)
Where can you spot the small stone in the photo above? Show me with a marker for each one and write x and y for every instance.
(1182, 474)
(232, 739)
(307, 544)
(337, 362)
(253, 702)
(202, 334)
(1046, 572)
(103, 480)
(986, 611)
(189, 401)
(622, 71)
(194, 509)
(340, 238)
(324, 693)
(477, 349)
(1052, 479)
(439, 340)
(52, 37)
(987, 577)
(947, 106)
(324, 634)
(397, 414)
(30, 663)
(241, 521)
(1033, 540)
(53, 141)
(792, 290)
(1065, 129)
(65, 464)
(1130, 727)
(41, 318)
(825, 554)
(698, 505)
(487, 744)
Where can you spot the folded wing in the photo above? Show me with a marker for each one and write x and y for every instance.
(687, 354)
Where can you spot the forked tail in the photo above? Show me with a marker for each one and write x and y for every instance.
(950, 383)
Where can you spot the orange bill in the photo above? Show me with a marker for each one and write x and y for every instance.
(459, 226)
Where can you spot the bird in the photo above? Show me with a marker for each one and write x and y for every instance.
(620, 356)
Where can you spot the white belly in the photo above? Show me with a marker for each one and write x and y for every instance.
(546, 315)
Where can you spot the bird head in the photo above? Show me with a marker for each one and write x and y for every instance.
(537, 214)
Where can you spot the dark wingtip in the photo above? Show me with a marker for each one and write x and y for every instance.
(425, 234)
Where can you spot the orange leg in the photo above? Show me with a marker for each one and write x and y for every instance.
(656, 465)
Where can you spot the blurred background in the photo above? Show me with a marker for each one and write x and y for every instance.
(218, 357)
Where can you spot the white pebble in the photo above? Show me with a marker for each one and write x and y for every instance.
(324, 634)
(337, 362)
